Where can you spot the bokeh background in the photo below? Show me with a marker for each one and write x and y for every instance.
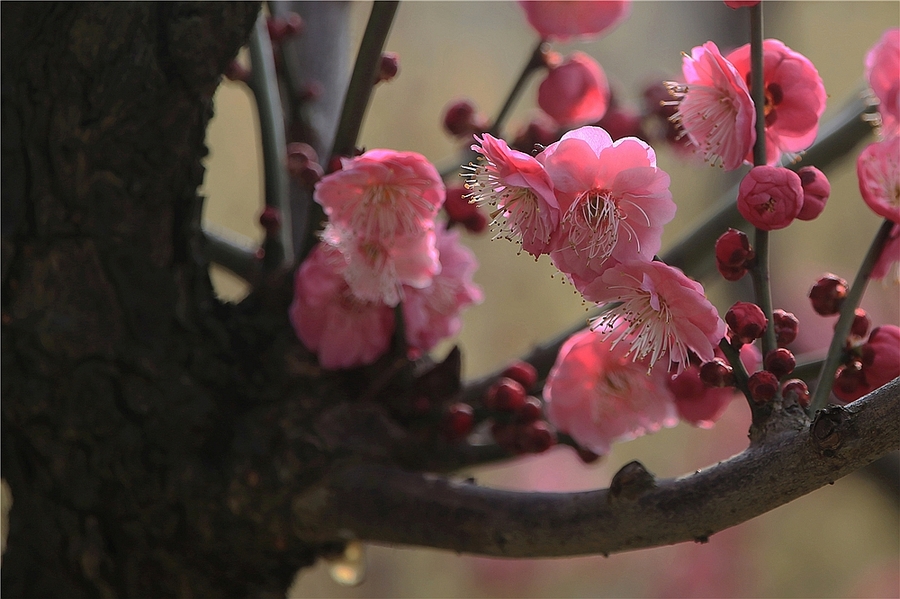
(840, 541)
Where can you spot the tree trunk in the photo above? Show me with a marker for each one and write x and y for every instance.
(138, 441)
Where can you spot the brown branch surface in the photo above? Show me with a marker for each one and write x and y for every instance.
(384, 504)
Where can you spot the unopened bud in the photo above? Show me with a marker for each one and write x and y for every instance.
(850, 382)
(816, 190)
(717, 373)
(786, 327)
(861, 323)
(763, 386)
(795, 389)
(780, 362)
(747, 321)
(270, 219)
(389, 66)
(506, 395)
(462, 120)
(457, 422)
(523, 372)
(828, 294)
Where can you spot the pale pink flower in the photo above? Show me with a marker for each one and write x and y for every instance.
(888, 265)
(613, 199)
(794, 101)
(597, 394)
(432, 313)
(378, 268)
(883, 75)
(575, 92)
(521, 191)
(715, 108)
(330, 320)
(878, 170)
(561, 20)
(382, 193)
(664, 313)
(770, 197)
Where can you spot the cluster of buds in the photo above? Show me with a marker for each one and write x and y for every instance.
(518, 418)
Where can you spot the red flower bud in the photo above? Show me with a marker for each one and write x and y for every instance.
(462, 120)
(797, 390)
(717, 373)
(850, 382)
(883, 363)
(459, 210)
(530, 411)
(523, 372)
(786, 327)
(457, 422)
(506, 395)
(780, 362)
(770, 197)
(537, 437)
(734, 4)
(828, 294)
(733, 248)
(747, 321)
(390, 65)
(270, 219)
(816, 190)
(763, 386)
(861, 323)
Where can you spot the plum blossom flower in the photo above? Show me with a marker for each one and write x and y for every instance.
(666, 313)
(770, 197)
(432, 313)
(561, 20)
(520, 189)
(382, 193)
(378, 268)
(597, 394)
(715, 109)
(344, 330)
(878, 170)
(882, 68)
(888, 265)
(575, 92)
(613, 200)
(794, 101)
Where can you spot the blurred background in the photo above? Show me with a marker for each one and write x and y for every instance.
(840, 541)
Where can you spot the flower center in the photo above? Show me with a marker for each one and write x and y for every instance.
(593, 220)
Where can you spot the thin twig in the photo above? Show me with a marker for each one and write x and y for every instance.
(240, 259)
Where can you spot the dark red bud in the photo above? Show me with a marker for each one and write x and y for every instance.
(270, 219)
(816, 190)
(717, 373)
(530, 411)
(235, 71)
(733, 248)
(747, 321)
(458, 421)
(786, 327)
(462, 120)
(523, 372)
(797, 390)
(586, 455)
(780, 362)
(850, 382)
(861, 323)
(506, 395)
(763, 386)
(389, 66)
(538, 437)
(828, 294)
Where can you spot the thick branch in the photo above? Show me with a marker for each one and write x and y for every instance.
(382, 504)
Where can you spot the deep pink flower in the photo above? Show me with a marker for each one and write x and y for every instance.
(795, 97)
(878, 170)
(382, 193)
(882, 68)
(816, 190)
(613, 199)
(377, 269)
(597, 394)
(342, 329)
(561, 20)
(667, 313)
(432, 313)
(740, 3)
(575, 92)
(770, 197)
(700, 405)
(715, 109)
(888, 264)
(521, 191)
(881, 363)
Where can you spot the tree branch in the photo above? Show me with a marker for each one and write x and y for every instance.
(383, 504)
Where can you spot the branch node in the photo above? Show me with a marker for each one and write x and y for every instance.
(829, 429)
(630, 482)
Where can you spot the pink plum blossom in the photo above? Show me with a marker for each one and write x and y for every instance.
(432, 313)
(330, 320)
(382, 193)
(613, 199)
(770, 197)
(878, 170)
(715, 108)
(520, 189)
(666, 314)
(378, 268)
(597, 394)
(794, 101)
(575, 92)
(888, 265)
(881, 356)
(561, 20)
(883, 75)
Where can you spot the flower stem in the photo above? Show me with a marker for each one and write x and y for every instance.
(365, 73)
(848, 313)
(534, 63)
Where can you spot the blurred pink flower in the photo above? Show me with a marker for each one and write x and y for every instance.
(883, 75)
(575, 92)
(561, 20)
(342, 329)
(770, 197)
(878, 170)
(795, 97)
(740, 3)
(378, 268)
(382, 193)
(667, 313)
(432, 313)
(881, 356)
(715, 109)
(597, 394)
(700, 405)
(520, 189)
(613, 199)
(888, 264)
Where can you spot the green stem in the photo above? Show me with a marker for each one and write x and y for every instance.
(365, 74)
(534, 63)
(845, 320)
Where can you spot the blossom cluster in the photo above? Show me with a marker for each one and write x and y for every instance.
(381, 247)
